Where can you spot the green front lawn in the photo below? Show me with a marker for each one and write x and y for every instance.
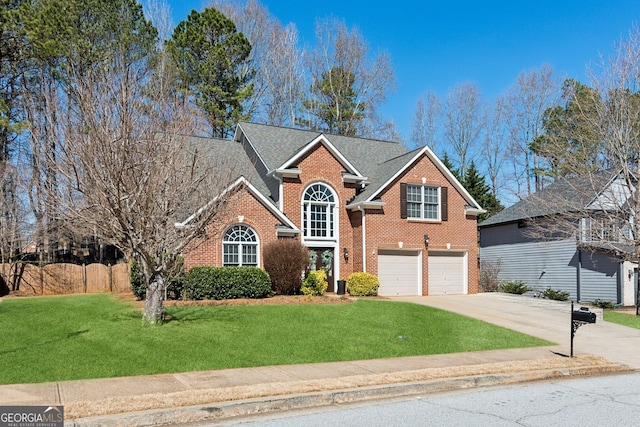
(97, 336)
(630, 320)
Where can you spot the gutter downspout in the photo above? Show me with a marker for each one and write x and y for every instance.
(364, 239)
(280, 194)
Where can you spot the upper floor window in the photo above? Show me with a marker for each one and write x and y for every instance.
(603, 230)
(423, 202)
(240, 247)
(318, 212)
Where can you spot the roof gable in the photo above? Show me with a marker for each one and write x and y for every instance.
(242, 181)
(393, 168)
(568, 194)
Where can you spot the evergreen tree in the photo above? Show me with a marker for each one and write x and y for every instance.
(446, 160)
(475, 184)
(569, 136)
(335, 104)
(209, 54)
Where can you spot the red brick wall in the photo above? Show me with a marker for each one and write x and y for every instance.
(208, 250)
(320, 166)
(385, 230)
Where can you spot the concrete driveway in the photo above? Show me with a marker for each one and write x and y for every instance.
(547, 319)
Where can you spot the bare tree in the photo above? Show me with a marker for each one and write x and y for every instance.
(495, 147)
(524, 107)
(464, 121)
(425, 122)
(159, 13)
(276, 58)
(601, 207)
(347, 87)
(109, 153)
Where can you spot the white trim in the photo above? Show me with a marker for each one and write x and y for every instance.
(473, 211)
(376, 204)
(241, 244)
(349, 178)
(321, 139)
(255, 192)
(364, 240)
(334, 207)
(287, 173)
(443, 169)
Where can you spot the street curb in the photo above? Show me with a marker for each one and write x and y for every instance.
(241, 408)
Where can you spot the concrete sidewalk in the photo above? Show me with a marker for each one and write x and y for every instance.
(210, 395)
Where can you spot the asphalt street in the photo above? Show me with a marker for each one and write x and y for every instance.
(608, 400)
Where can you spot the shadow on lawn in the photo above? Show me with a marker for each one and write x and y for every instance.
(200, 314)
(43, 343)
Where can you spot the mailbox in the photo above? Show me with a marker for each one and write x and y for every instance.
(583, 315)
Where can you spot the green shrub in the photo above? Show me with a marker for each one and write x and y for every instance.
(514, 287)
(138, 287)
(603, 304)
(226, 283)
(285, 260)
(315, 283)
(555, 294)
(362, 284)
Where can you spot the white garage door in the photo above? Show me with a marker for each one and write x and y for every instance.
(447, 273)
(400, 273)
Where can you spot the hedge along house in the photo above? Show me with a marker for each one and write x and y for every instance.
(588, 258)
(357, 204)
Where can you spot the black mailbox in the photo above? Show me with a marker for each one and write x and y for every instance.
(583, 315)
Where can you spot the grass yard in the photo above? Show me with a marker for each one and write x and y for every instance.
(625, 319)
(97, 336)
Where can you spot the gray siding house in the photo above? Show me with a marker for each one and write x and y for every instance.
(574, 262)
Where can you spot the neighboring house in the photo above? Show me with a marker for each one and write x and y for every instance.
(587, 260)
(357, 204)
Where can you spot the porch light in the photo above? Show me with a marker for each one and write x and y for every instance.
(345, 252)
(426, 240)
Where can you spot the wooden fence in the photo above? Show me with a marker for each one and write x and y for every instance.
(54, 279)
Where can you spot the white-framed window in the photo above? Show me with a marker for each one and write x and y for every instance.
(318, 212)
(603, 230)
(240, 247)
(423, 202)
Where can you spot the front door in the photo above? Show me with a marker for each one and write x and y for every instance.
(322, 259)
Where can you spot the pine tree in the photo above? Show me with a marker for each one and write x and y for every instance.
(210, 53)
(475, 184)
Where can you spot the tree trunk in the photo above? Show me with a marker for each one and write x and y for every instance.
(153, 308)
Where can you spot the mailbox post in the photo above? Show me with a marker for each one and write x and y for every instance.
(579, 318)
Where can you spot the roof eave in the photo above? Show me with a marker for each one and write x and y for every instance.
(377, 204)
(468, 210)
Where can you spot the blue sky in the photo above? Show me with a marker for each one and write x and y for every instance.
(434, 45)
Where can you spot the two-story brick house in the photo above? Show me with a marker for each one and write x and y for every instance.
(358, 204)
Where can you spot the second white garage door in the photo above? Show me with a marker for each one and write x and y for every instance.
(400, 273)
(447, 273)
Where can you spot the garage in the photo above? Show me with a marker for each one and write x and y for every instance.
(399, 272)
(447, 273)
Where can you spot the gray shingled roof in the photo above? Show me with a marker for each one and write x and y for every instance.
(227, 154)
(563, 195)
(375, 159)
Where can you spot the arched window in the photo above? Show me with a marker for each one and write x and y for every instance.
(240, 247)
(318, 213)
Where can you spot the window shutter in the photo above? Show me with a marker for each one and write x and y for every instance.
(444, 204)
(403, 200)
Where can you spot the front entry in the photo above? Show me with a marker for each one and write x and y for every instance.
(322, 259)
